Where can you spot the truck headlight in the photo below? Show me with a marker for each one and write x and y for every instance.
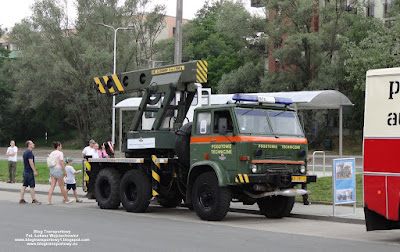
(302, 169)
(254, 168)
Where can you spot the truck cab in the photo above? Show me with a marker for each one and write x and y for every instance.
(255, 146)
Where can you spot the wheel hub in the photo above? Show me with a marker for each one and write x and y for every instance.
(131, 192)
(206, 196)
(105, 189)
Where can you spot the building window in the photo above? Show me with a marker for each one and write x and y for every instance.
(347, 5)
(386, 6)
(370, 8)
(173, 31)
(256, 3)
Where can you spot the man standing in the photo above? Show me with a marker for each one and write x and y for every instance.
(12, 161)
(88, 151)
(29, 173)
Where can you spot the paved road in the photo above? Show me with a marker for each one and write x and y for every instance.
(179, 230)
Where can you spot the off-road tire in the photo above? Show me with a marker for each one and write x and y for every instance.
(276, 206)
(210, 201)
(107, 188)
(182, 144)
(135, 191)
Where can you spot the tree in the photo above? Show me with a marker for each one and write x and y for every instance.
(57, 63)
(245, 79)
(380, 49)
(220, 34)
(5, 92)
(295, 43)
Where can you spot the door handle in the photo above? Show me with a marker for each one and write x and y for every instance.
(212, 140)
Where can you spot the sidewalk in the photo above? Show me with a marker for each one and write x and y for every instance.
(42, 189)
(344, 214)
(312, 212)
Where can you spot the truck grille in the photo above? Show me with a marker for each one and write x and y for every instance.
(278, 157)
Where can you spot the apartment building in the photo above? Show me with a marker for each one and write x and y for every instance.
(14, 49)
(372, 8)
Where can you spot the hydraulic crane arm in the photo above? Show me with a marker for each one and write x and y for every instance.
(139, 80)
(155, 84)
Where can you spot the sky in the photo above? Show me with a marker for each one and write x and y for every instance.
(13, 11)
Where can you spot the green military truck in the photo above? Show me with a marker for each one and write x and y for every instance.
(250, 150)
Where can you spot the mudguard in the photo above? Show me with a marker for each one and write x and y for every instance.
(222, 175)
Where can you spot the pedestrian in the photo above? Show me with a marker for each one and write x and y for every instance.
(305, 196)
(70, 179)
(88, 153)
(12, 161)
(109, 148)
(88, 150)
(57, 173)
(96, 150)
(29, 173)
(103, 151)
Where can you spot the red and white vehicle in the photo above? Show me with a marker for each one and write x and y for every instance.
(381, 150)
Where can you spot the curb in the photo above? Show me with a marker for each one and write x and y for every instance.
(36, 192)
(305, 216)
(245, 211)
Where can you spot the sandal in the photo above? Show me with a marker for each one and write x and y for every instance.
(79, 201)
(22, 201)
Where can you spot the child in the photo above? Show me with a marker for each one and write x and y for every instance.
(70, 179)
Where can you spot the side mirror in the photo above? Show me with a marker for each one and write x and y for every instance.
(222, 126)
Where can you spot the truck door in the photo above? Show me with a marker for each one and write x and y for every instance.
(222, 149)
(200, 141)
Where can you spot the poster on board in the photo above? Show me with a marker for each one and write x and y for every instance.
(344, 181)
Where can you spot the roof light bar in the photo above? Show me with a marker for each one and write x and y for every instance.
(245, 97)
(261, 99)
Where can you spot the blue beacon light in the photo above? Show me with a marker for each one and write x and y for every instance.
(261, 99)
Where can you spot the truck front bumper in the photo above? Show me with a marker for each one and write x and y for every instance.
(279, 179)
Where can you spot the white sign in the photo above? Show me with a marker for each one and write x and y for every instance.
(141, 143)
(382, 97)
(344, 182)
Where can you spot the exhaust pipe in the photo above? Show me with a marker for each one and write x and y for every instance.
(286, 193)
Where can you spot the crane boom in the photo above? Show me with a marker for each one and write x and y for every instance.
(158, 84)
(139, 80)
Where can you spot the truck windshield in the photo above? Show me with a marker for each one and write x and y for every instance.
(285, 123)
(255, 121)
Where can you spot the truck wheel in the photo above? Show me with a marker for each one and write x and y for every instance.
(276, 206)
(210, 201)
(182, 145)
(107, 189)
(135, 191)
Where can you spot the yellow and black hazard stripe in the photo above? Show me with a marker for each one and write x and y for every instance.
(108, 84)
(242, 178)
(87, 168)
(155, 174)
(201, 74)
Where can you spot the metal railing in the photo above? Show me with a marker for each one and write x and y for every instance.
(313, 157)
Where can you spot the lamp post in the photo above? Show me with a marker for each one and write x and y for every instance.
(114, 72)
(178, 32)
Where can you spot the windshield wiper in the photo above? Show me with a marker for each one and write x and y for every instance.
(279, 113)
(246, 112)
